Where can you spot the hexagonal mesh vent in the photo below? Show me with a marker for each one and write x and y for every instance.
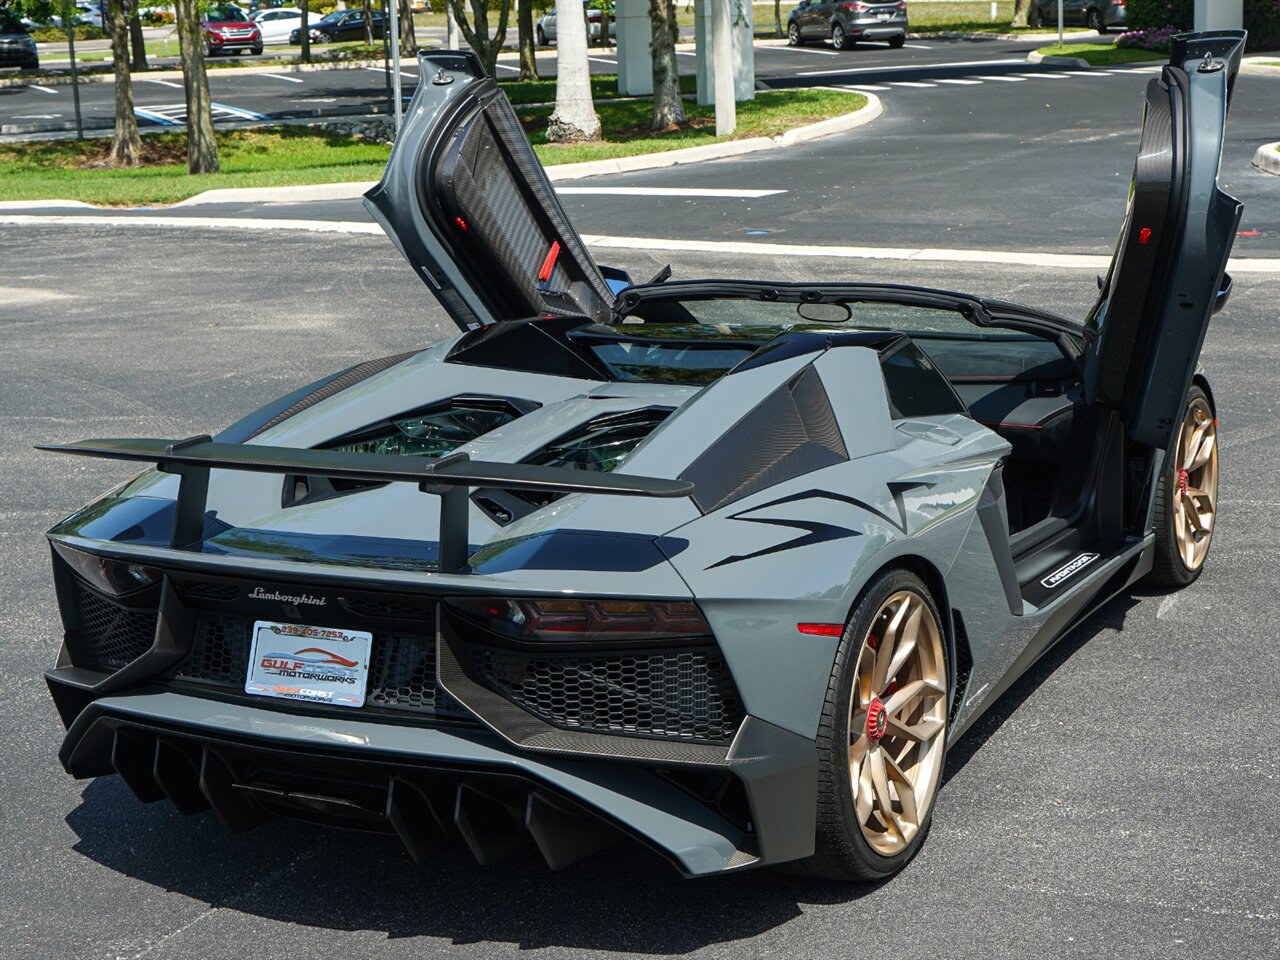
(111, 635)
(676, 694)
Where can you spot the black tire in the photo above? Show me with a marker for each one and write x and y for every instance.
(256, 51)
(839, 39)
(897, 43)
(1093, 20)
(1168, 569)
(794, 37)
(841, 852)
(541, 37)
(208, 50)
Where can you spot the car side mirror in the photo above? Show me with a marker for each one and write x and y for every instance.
(1223, 295)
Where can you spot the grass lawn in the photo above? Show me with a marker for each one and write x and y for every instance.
(1101, 54)
(604, 86)
(280, 156)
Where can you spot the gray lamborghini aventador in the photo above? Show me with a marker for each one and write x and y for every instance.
(721, 566)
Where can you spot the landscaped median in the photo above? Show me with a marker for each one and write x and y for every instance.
(1095, 54)
(297, 155)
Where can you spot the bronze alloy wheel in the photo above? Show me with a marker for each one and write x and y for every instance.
(897, 722)
(1195, 496)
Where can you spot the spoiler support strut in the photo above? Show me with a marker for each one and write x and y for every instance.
(451, 478)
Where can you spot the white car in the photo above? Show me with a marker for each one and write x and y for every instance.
(276, 23)
(546, 26)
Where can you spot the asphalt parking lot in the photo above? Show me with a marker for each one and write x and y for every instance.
(1120, 801)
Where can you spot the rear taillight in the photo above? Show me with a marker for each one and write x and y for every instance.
(857, 6)
(114, 577)
(902, 4)
(555, 619)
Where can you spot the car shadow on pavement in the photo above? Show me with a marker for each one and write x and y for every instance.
(1110, 616)
(623, 899)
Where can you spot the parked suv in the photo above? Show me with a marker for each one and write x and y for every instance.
(848, 21)
(17, 49)
(1100, 15)
(226, 28)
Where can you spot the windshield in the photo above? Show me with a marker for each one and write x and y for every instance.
(331, 17)
(226, 14)
(740, 314)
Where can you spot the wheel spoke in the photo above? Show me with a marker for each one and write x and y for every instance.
(863, 801)
(888, 643)
(880, 781)
(1203, 451)
(920, 732)
(905, 789)
(906, 644)
(909, 694)
(1193, 444)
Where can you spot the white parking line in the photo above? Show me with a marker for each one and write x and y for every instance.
(825, 53)
(36, 86)
(604, 60)
(963, 83)
(281, 76)
(865, 87)
(1028, 258)
(159, 118)
(916, 46)
(1085, 73)
(911, 83)
(1037, 76)
(1004, 79)
(238, 112)
(910, 66)
(503, 66)
(709, 192)
(163, 83)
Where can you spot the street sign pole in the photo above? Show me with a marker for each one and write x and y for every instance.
(1060, 40)
(395, 60)
(75, 74)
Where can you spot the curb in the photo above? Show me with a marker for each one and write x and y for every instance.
(352, 190)
(1051, 60)
(717, 151)
(1267, 157)
(1260, 65)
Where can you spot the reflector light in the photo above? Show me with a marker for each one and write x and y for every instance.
(821, 629)
(572, 621)
(1144, 235)
(462, 224)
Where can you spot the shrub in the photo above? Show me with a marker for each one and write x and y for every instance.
(1155, 39)
(84, 31)
(1145, 14)
(1262, 20)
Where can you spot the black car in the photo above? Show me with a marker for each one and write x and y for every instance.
(846, 22)
(17, 48)
(341, 25)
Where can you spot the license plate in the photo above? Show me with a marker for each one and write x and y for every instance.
(884, 16)
(314, 664)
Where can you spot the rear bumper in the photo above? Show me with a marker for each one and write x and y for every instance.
(877, 31)
(430, 785)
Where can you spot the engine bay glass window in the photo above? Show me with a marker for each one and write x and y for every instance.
(676, 362)
(430, 434)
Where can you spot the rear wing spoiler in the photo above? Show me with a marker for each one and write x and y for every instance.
(451, 477)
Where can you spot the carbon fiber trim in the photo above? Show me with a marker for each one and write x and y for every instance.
(791, 432)
(361, 371)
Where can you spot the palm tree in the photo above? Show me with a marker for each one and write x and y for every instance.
(202, 145)
(126, 145)
(668, 108)
(524, 23)
(574, 118)
(476, 29)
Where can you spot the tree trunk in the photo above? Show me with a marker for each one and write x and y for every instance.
(476, 30)
(126, 145)
(202, 145)
(574, 118)
(408, 39)
(524, 20)
(1020, 12)
(668, 108)
(368, 23)
(304, 32)
(136, 40)
(777, 18)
